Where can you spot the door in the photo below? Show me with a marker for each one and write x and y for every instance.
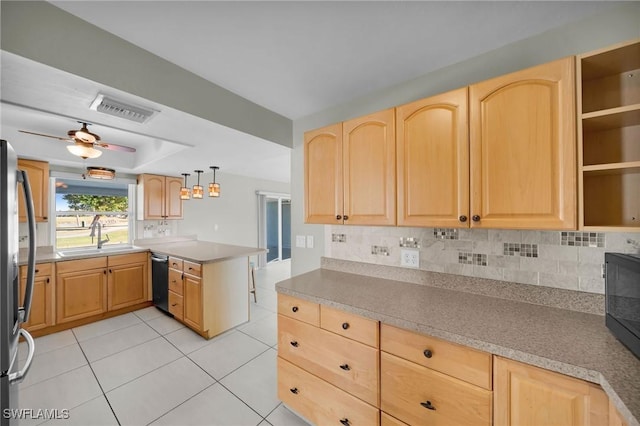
(432, 141)
(41, 304)
(38, 172)
(527, 395)
(153, 187)
(80, 294)
(523, 149)
(127, 285)
(193, 301)
(173, 203)
(323, 175)
(369, 169)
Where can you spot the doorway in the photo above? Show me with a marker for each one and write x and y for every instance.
(274, 227)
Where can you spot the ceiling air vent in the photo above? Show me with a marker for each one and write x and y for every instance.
(110, 106)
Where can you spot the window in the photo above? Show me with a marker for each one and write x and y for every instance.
(86, 209)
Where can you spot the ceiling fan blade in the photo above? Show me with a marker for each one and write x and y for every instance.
(47, 136)
(115, 147)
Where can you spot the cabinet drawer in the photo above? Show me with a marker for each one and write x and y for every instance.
(175, 281)
(455, 360)
(125, 259)
(175, 263)
(42, 270)
(387, 420)
(176, 305)
(354, 327)
(81, 265)
(192, 268)
(299, 309)
(320, 402)
(345, 363)
(419, 395)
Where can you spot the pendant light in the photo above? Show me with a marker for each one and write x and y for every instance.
(198, 191)
(214, 188)
(185, 194)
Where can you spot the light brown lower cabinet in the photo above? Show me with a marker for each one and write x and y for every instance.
(42, 303)
(127, 281)
(193, 302)
(81, 289)
(528, 395)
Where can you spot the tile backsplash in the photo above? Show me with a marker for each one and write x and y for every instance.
(569, 260)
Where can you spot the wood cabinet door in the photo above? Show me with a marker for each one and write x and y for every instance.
(523, 149)
(432, 142)
(127, 285)
(42, 309)
(153, 187)
(527, 395)
(173, 203)
(80, 294)
(38, 172)
(323, 193)
(369, 169)
(192, 301)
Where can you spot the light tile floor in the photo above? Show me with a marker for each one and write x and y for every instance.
(146, 368)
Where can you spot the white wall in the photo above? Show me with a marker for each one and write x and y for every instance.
(601, 30)
(232, 218)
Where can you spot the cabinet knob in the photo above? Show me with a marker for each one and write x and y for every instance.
(338, 217)
(175, 304)
(345, 367)
(104, 272)
(110, 271)
(294, 343)
(294, 309)
(294, 390)
(345, 325)
(428, 353)
(428, 405)
(346, 217)
(45, 218)
(462, 218)
(48, 280)
(37, 270)
(345, 422)
(476, 218)
(174, 264)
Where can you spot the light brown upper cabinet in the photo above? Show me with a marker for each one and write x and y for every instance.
(609, 128)
(523, 149)
(38, 172)
(432, 142)
(350, 172)
(323, 175)
(159, 197)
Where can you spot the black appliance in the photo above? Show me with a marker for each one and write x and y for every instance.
(622, 293)
(160, 281)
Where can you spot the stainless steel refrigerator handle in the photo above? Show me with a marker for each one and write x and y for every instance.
(25, 310)
(18, 376)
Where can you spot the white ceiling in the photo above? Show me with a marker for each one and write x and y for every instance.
(293, 57)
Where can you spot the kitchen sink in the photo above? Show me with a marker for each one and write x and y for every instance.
(94, 251)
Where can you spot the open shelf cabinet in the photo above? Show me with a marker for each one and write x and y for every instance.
(609, 137)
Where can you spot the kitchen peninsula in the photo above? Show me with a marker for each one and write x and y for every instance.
(208, 282)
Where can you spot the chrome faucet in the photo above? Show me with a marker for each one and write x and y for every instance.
(93, 233)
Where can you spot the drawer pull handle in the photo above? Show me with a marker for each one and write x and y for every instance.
(345, 422)
(294, 309)
(428, 405)
(294, 343)
(345, 367)
(428, 353)
(345, 325)
(294, 390)
(174, 264)
(175, 304)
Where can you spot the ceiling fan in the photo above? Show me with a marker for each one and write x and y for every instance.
(85, 142)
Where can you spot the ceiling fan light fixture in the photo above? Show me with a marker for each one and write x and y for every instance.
(84, 152)
(101, 173)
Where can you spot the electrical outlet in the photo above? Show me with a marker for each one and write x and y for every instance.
(309, 241)
(410, 258)
(300, 241)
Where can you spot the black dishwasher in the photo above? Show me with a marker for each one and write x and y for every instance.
(160, 281)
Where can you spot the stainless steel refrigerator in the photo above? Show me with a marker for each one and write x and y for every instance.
(13, 311)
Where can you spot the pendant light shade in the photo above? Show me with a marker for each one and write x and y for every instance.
(214, 188)
(83, 151)
(100, 173)
(198, 190)
(185, 194)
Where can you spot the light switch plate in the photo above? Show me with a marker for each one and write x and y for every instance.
(300, 241)
(410, 258)
(309, 241)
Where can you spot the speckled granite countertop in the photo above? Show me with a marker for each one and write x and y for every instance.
(574, 343)
(202, 251)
